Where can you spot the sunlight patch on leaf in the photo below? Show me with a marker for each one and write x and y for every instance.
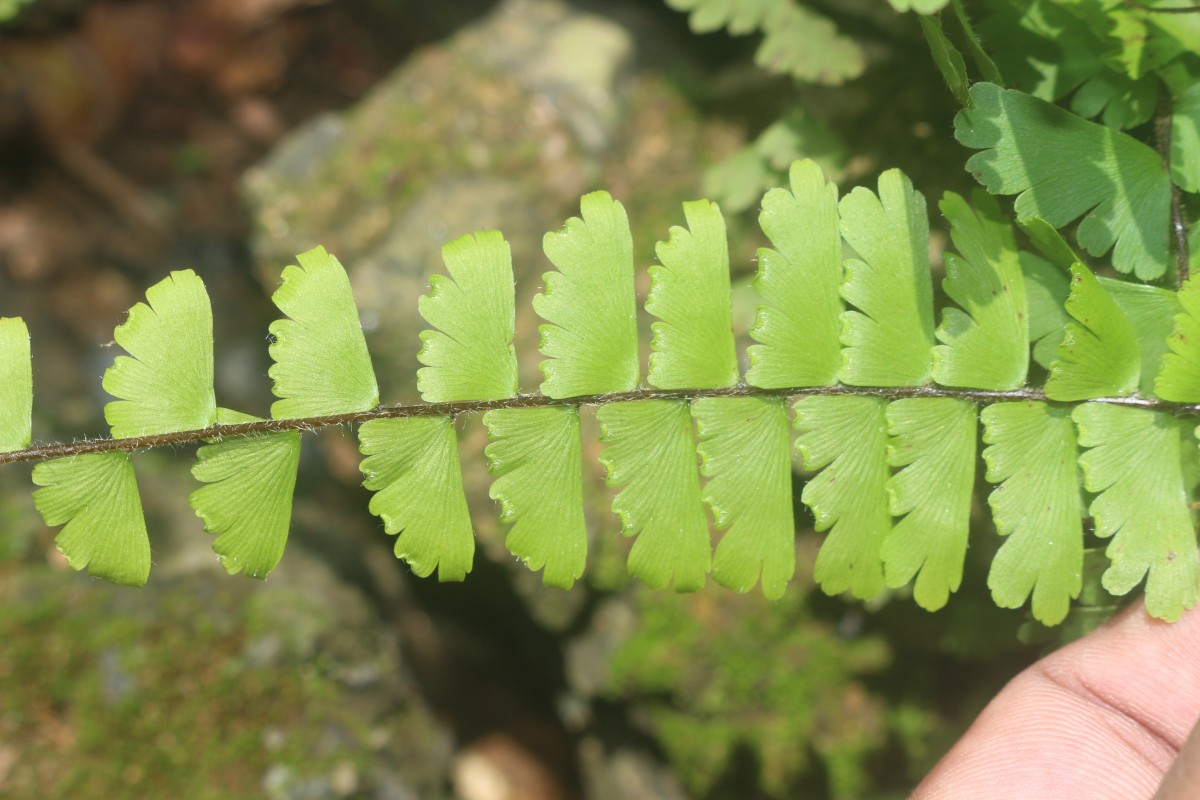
(166, 382)
(412, 466)
(590, 344)
(651, 456)
(1063, 168)
(536, 457)
(889, 337)
(16, 385)
(1133, 465)
(846, 439)
(1099, 354)
(745, 453)
(692, 346)
(985, 345)
(798, 325)
(932, 442)
(471, 354)
(95, 497)
(1031, 457)
(321, 361)
(247, 501)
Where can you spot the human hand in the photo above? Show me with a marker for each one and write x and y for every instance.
(1106, 716)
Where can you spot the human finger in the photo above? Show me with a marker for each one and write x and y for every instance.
(1104, 717)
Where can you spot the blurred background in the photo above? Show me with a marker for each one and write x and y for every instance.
(226, 136)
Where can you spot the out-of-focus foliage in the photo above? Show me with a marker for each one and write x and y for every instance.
(10, 8)
(723, 710)
(797, 40)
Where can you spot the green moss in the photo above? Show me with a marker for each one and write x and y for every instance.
(742, 692)
(157, 693)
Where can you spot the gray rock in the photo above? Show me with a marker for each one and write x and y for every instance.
(502, 126)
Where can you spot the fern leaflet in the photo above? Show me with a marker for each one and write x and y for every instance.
(745, 452)
(247, 501)
(933, 445)
(1099, 354)
(846, 438)
(167, 385)
(412, 466)
(536, 457)
(651, 456)
(798, 325)
(692, 344)
(95, 498)
(321, 361)
(1031, 456)
(889, 338)
(16, 385)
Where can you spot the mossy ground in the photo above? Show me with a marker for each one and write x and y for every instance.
(178, 690)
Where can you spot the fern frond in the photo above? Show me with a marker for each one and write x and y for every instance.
(321, 361)
(590, 343)
(846, 439)
(247, 501)
(1062, 167)
(798, 325)
(1150, 311)
(1031, 456)
(932, 443)
(889, 338)
(95, 497)
(887, 421)
(986, 344)
(471, 354)
(745, 452)
(651, 456)
(797, 40)
(412, 466)
(16, 385)
(536, 457)
(1050, 243)
(1119, 101)
(1185, 140)
(946, 56)
(166, 382)
(692, 346)
(1133, 465)
(1099, 354)
(1179, 376)
(1046, 291)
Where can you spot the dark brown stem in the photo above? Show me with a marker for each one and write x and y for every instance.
(64, 449)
